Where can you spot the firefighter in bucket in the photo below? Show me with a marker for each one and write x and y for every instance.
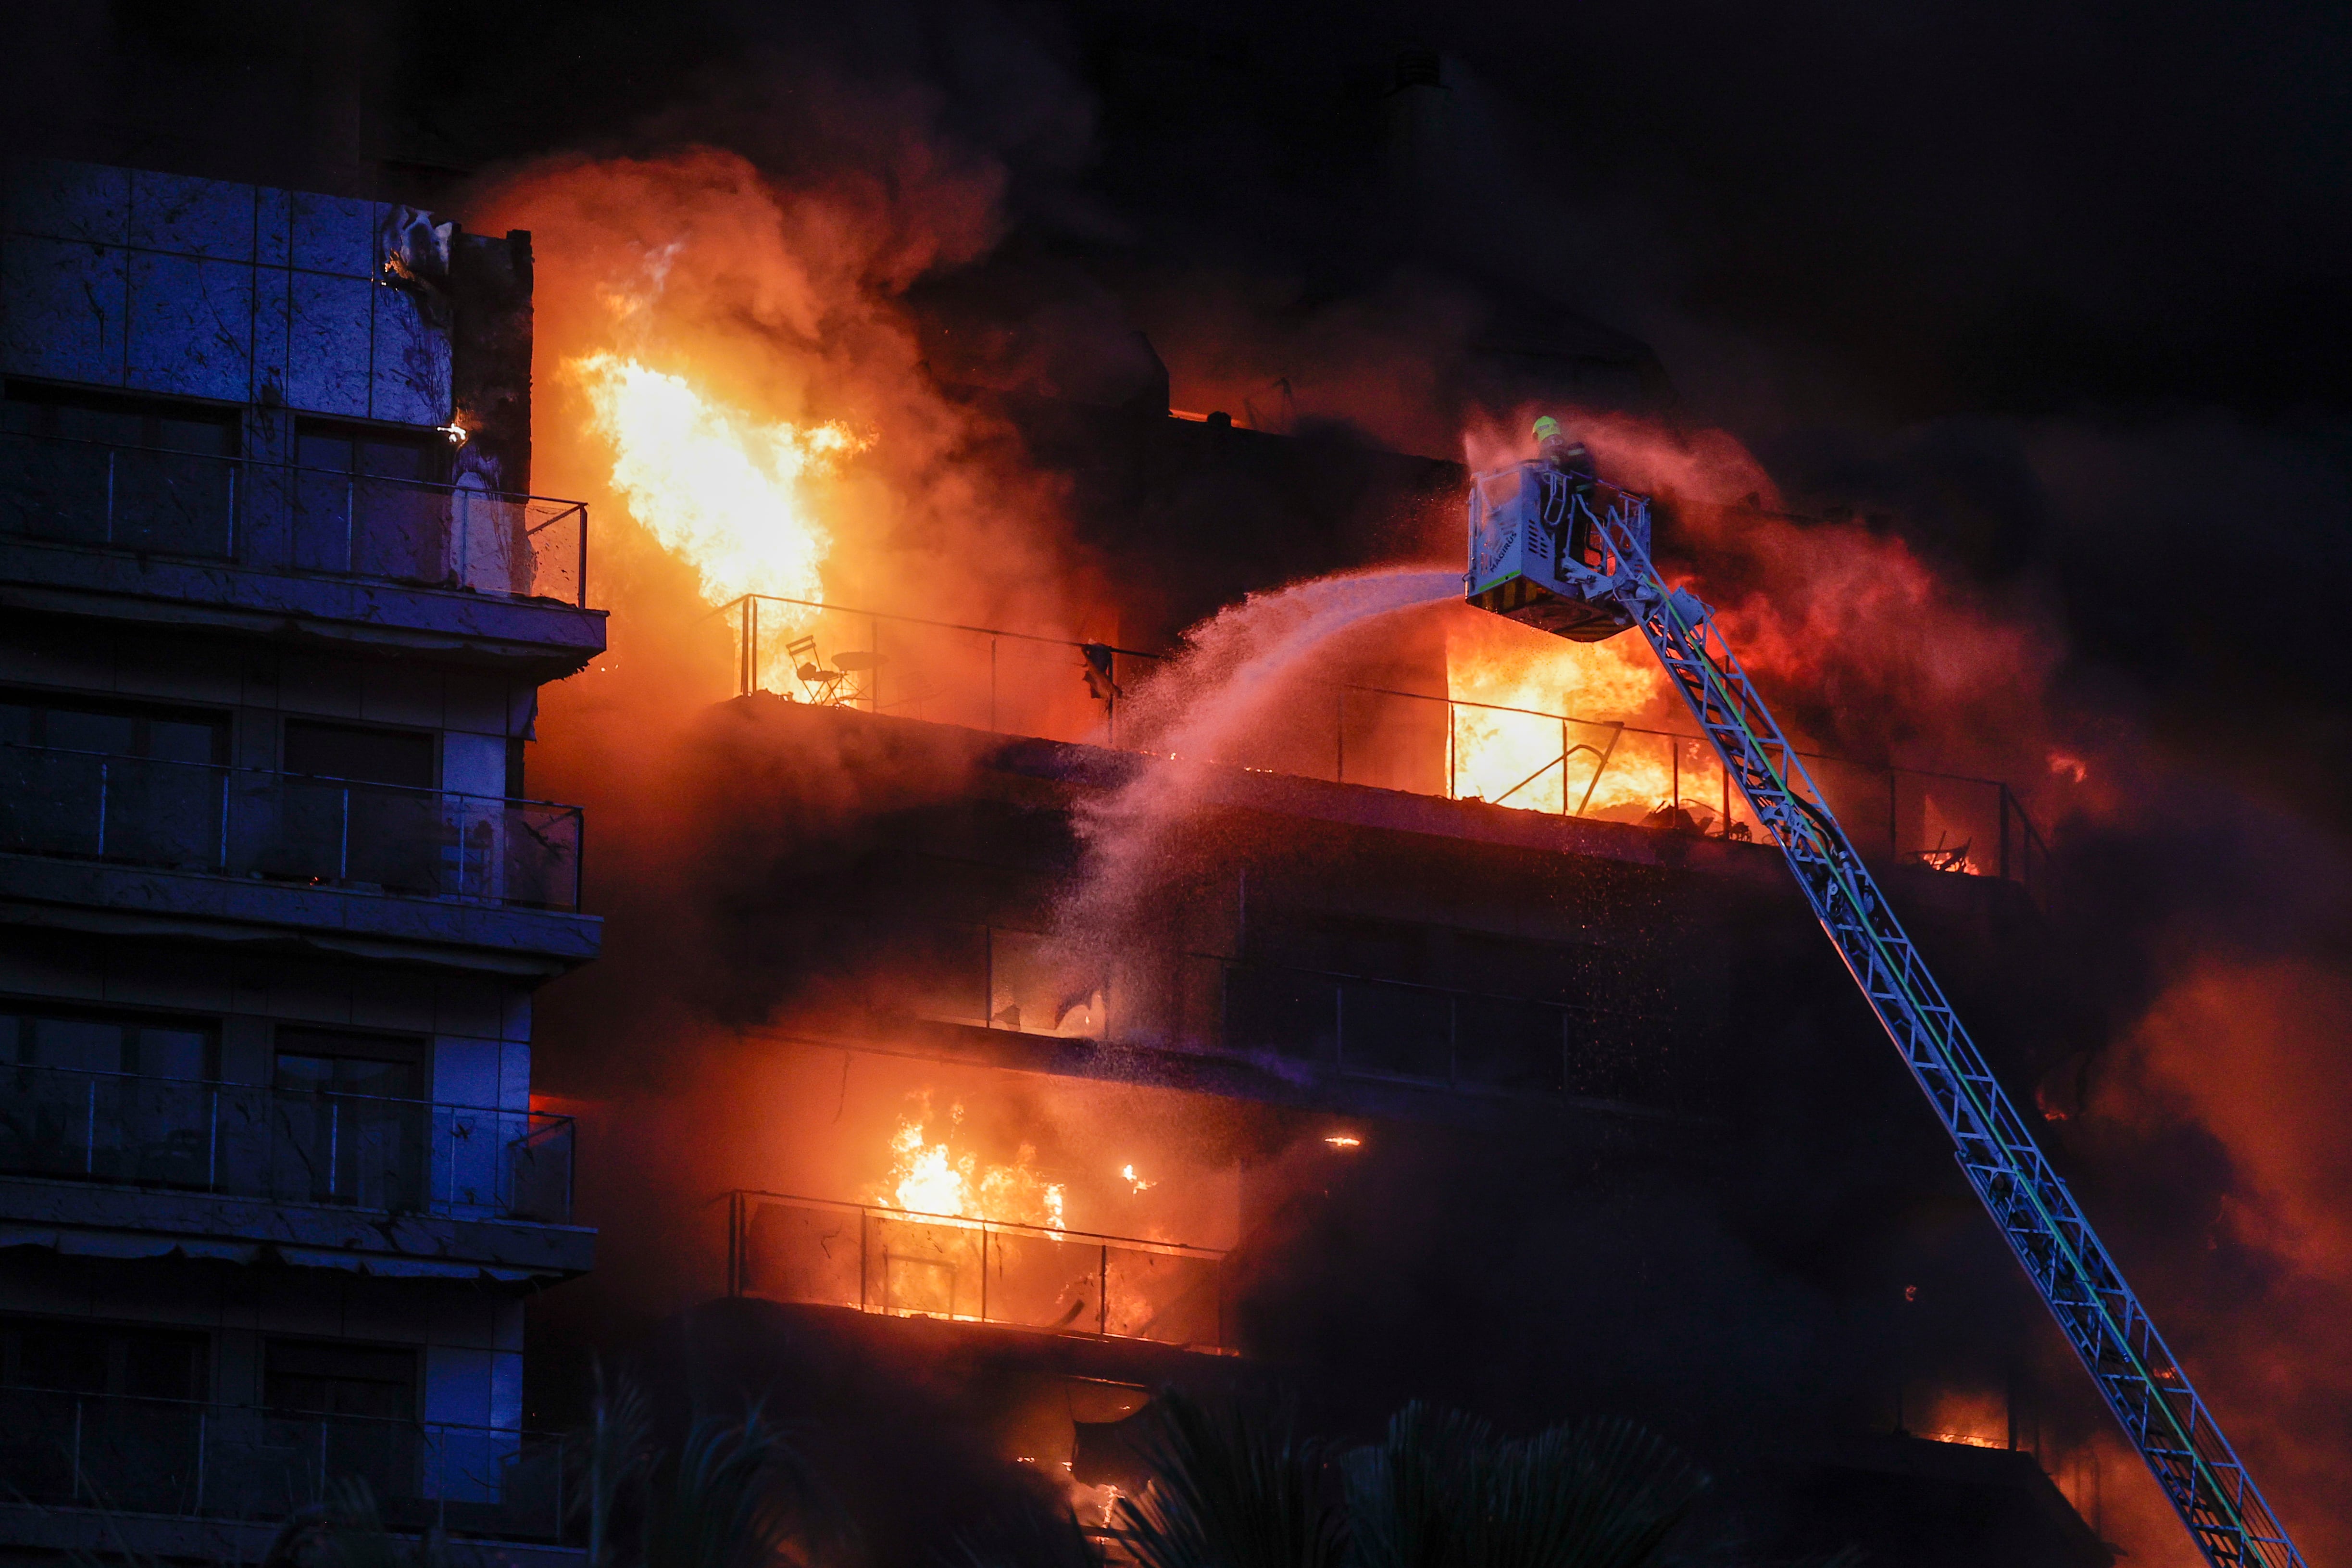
(1566, 454)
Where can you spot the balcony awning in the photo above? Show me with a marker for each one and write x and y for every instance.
(73, 1243)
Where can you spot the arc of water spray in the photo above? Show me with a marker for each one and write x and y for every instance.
(1233, 667)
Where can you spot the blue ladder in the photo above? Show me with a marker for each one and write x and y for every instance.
(2147, 1390)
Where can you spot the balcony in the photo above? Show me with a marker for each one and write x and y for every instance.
(1554, 763)
(150, 1457)
(278, 518)
(272, 538)
(252, 1140)
(898, 1264)
(1341, 1026)
(288, 828)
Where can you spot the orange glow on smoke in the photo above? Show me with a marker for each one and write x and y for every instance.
(1514, 758)
(930, 1177)
(724, 490)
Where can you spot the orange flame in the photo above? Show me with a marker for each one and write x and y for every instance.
(1978, 1418)
(931, 1178)
(1530, 759)
(725, 490)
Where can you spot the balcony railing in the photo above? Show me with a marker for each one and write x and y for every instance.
(218, 1461)
(288, 827)
(975, 1271)
(1017, 684)
(1444, 1036)
(401, 1156)
(277, 518)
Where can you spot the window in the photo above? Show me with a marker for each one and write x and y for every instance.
(312, 1061)
(361, 753)
(117, 472)
(329, 1377)
(125, 1361)
(93, 1098)
(116, 729)
(361, 811)
(31, 1036)
(372, 503)
(366, 453)
(155, 424)
(350, 1124)
(117, 781)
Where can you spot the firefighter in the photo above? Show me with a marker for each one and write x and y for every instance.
(1565, 455)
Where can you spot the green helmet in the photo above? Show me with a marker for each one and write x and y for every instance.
(1547, 427)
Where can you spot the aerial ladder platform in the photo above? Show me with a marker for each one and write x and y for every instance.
(1562, 552)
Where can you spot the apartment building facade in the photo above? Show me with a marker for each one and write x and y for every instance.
(1378, 1093)
(275, 605)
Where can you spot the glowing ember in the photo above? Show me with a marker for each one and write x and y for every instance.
(724, 489)
(1977, 1419)
(1344, 1140)
(930, 1178)
(1135, 1183)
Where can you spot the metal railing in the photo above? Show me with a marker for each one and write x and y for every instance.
(1452, 1037)
(288, 827)
(367, 1151)
(278, 517)
(1055, 688)
(884, 1260)
(1439, 1035)
(221, 1461)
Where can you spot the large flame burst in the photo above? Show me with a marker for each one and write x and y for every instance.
(929, 1177)
(725, 490)
(1517, 758)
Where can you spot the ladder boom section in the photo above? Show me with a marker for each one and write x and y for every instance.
(2143, 1385)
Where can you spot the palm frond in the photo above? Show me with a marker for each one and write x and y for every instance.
(1406, 1496)
(1232, 1488)
(736, 1495)
(615, 1458)
(1032, 1534)
(1441, 1492)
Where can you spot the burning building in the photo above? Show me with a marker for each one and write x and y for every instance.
(1409, 1031)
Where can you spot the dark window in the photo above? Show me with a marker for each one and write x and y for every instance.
(1337, 943)
(1283, 1011)
(116, 729)
(365, 755)
(121, 1360)
(1400, 1030)
(372, 454)
(330, 1378)
(157, 424)
(94, 1043)
(118, 473)
(1514, 966)
(314, 1061)
(112, 781)
(372, 502)
(349, 1121)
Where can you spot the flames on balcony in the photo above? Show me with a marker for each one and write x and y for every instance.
(920, 1190)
